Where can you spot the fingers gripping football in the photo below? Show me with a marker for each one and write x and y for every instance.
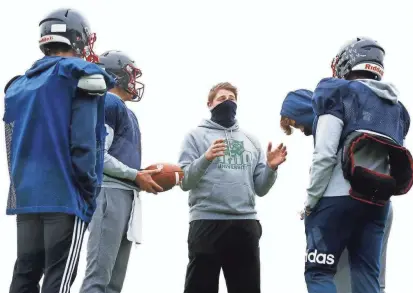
(164, 176)
(146, 183)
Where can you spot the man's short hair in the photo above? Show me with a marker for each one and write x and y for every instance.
(222, 86)
(56, 48)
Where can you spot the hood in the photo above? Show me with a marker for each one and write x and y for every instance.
(42, 65)
(298, 106)
(382, 89)
(207, 123)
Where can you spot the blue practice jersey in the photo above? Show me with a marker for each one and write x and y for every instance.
(55, 138)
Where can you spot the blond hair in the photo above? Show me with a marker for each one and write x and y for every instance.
(287, 125)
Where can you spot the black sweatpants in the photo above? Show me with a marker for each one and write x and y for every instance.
(47, 244)
(232, 245)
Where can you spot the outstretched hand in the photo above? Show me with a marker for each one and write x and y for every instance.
(277, 156)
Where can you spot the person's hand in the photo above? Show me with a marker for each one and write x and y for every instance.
(145, 182)
(277, 156)
(217, 149)
(304, 212)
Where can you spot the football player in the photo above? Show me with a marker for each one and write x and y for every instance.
(54, 121)
(297, 112)
(359, 162)
(118, 202)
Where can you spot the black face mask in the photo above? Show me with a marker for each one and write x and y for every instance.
(224, 113)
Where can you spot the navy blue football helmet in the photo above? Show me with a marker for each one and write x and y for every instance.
(125, 72)
(69, 27)
(360, 54)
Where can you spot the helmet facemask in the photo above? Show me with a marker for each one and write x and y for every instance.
(84, 44)
(88, 52)
(133, 86)
(127, 79)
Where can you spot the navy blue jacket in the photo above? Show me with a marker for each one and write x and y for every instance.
(55, 138)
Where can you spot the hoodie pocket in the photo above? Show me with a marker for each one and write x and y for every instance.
(234, 198)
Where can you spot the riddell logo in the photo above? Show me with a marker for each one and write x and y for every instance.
(374, 68)
(320, 258)
(45, 39)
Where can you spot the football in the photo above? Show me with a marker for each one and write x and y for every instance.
(169, 176)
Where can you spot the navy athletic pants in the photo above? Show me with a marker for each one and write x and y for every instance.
(337, 223)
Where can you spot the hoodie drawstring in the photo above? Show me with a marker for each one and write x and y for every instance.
(229, 144)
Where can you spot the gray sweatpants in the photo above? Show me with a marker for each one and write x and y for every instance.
(342, 278)
(108, 249)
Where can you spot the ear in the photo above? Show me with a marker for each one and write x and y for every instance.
(209, 105)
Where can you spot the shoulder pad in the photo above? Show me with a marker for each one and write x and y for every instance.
(328, 97)
(78, 68)
(10, 82)
(94, 84)
(112, 97)
(113, 104)
(113, 101)
(332, 82)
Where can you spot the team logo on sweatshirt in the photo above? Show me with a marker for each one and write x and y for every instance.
(320, 258)
(236, 156)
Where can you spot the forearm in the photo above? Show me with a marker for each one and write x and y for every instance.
(112, 166)
(320, 175)
(83, 144)
(193, 172)
(264, 180)
(328, 135)
(117, 169)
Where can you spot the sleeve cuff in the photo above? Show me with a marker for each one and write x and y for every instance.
(271, 170)
(311, 201)
(203, 163)
(131, 174)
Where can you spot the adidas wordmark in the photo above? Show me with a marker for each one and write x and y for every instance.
(320, 258)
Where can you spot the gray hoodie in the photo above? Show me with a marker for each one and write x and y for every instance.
(326, 174)
(226, 187)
